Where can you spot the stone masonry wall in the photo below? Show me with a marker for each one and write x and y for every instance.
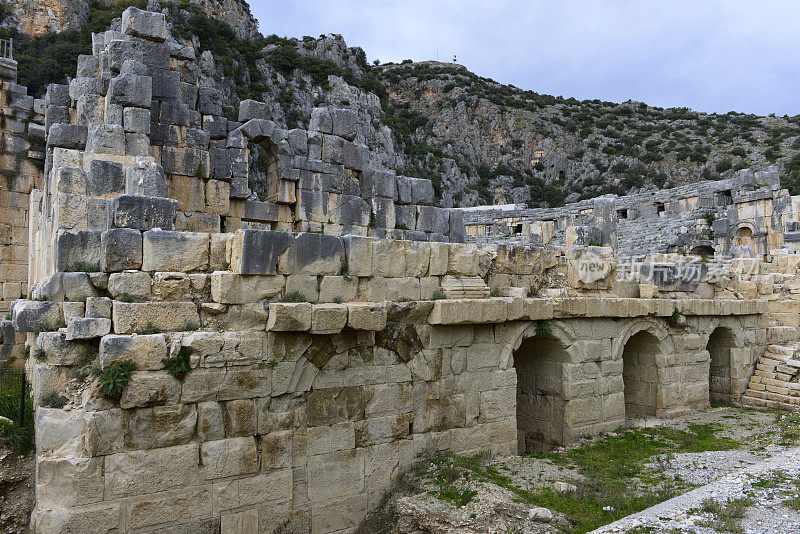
(296, 416)
(21, 156)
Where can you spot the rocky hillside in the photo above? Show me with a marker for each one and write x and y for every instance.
(479, 141)
(38, 17)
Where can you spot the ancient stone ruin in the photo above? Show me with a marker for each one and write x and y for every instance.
(243, 355)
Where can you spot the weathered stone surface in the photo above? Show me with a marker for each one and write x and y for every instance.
(37, 316)
(257, 251)
(105, 138)
(289, 317)
(144, 213)
(141, 472)
(328, 318)
(77, 250)
(366, 316)
(144, 24)
(229, 457)
(230, 288)
(98, 307)
(148, 179)
(130, 317)
(146, 351)
(87, 328)
(59, 351)
(67, 136)
(131, 90)
(66, 286)
(175, 251)
(161, 426)
(120, 249)
(150, 389)
(313, 254)
(129, 285)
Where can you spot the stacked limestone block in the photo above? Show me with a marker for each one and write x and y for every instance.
(139, 140)
(21, 145)
(297, 415)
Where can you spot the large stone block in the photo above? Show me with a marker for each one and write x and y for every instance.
(75, 287)
(77, 250)
(258, 251)
(252, 109)
(130, 317)
(328, 318)
(120, 249)
(313, 254)
(131, 90)
(144, 213)
(175, 251)
(68, 482)
(144, 24)
(105, 138)
(231, 288)
(161, 426)
(36, 316)
(366, 316)
(87, 328)
(146, 351)
(141, 472)
(150, 389)
(67, 136)
(128, 285)
(136, 120)
(70, 180)
(146, 179)
(229, 457)
(289, 317)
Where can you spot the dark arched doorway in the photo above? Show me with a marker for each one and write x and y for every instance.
(640, 374)
(540, 401)
(720, 343)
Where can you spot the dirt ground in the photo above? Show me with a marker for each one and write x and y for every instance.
(16, 491)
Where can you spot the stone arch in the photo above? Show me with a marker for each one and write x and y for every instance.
(642, 347)
(719, 345)
(538, 360)
(745, 236)
(702, 249)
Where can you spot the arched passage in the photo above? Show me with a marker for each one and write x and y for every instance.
(704, 251)
(720, 343)
(263, 176)
(540, 402)
(640, 374)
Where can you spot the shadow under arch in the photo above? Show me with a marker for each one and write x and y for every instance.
(641, 348)
(719, 345)
(538, 360)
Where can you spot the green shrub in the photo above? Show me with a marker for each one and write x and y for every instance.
(543, 329)
(294, 296)
(115, 377)
(724, 165)
(178, 366)
(51, 399)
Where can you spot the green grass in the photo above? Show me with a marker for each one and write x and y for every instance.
(726, 516)
(18, 438)
(616, 480)
(115, 377)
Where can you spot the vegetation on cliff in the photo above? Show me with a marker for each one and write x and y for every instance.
(478, 141)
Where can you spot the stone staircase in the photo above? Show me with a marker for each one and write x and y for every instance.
(776, 380)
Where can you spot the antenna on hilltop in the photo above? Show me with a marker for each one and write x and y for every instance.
(455, 60)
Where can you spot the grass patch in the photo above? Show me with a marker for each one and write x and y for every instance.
(17, 437)
(51, 399)
(294, 296)
(726, 516)
(617, 480)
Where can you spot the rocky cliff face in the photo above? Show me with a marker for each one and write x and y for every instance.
(37, 17)
(478, 141)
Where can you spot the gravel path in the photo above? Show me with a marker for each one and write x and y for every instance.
(776, 480)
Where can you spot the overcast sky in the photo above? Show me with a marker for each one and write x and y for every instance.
(709, 55)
